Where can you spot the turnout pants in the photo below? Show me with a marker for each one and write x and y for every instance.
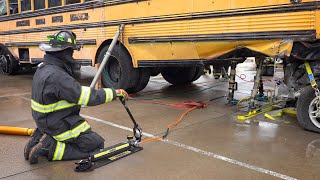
(83, 141)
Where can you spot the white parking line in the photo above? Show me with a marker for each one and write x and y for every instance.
(18, 94)
(199, 151)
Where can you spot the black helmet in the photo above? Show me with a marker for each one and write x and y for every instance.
(60, 41)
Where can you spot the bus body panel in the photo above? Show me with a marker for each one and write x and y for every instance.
(166, 30)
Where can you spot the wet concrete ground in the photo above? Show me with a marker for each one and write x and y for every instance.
(207, 144)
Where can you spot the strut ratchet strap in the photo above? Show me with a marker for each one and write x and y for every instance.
(251, 114)
(310, 75)
(279, 113)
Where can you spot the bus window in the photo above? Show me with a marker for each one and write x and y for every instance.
(54, 3)
(3, 7)
(13, 6)
(39, 4)
(72, 1)
(25, 5)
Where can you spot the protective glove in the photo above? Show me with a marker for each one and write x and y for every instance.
(122, 94)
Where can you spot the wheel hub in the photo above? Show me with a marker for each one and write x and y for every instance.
(114, 69)
(3, 65)
(314, 112)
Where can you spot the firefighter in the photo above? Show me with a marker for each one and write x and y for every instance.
(61, 133)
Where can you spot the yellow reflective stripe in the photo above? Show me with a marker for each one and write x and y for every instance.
(62, 151)
(119, 155)
(111, 150)
(58, 153)
(87, 96)
(63, 104)
(81, 97)
(73, 133)
(84, 96)
(109, 94)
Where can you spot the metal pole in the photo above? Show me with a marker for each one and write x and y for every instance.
(106, 57)
(256, 84)
(137, 131)
(232, 81)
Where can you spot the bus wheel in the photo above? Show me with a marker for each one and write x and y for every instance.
(143, 79)
(198, 73)
(155, 71)
(4, 65)
(7, 65)
(118, 72)
(308, 112)
(179, 75)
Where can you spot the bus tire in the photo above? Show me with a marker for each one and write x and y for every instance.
(8, 64)
(198, 73)
(305, 105)
(118, 72)
(179, 75)
(155, 71)
(143, 79)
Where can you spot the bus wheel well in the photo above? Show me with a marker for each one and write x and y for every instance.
(9, 64)
(107, 43)
(5, 49)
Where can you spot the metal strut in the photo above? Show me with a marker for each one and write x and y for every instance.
(106, 57)
(232, 82)
(225, 75)
(137, 131)
(256, 84)
(118, 151)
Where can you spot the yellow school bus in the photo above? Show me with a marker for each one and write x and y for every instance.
(175, 37)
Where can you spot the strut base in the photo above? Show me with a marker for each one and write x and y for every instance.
(107, 156)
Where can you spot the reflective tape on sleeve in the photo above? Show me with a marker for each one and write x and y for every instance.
(85, 95)
(109, 94)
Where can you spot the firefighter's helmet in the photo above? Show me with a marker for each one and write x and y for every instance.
(60, 41)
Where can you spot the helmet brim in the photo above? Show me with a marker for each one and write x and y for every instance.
(48, 48)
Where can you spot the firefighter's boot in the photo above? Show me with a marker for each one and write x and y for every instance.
(41, 149)
(35, 137)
